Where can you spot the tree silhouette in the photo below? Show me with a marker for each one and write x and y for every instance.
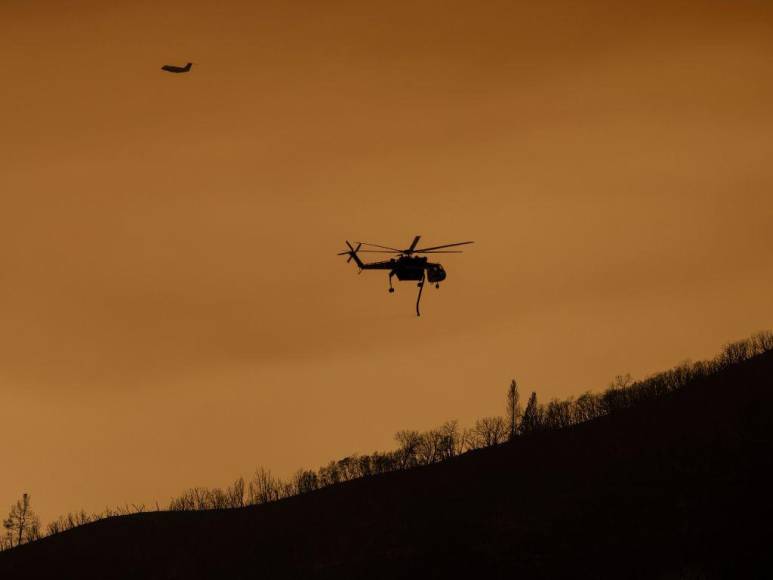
(488, 431)
(531, 416)
(22, 524)
(409, 442)
(305, 481)
(264, 487)
(558, 414)
(762, 341)
(513, 408)
(452, 440)
(235, 495)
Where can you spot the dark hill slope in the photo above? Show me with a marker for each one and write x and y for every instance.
(672, 489)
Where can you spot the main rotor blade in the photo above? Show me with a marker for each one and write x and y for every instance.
(444, 246)
(382, 247)
(412, 247)
(439, 252)
(379, 252)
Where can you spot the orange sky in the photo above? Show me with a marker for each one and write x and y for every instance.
(172, 310)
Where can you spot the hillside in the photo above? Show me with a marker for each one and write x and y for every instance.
(669, 489)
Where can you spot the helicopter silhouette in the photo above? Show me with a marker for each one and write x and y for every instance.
(408, 266)
(177, 69)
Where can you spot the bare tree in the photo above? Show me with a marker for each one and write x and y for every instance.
(452, 439)
(349, 467)
(305, 480)
(409, 442)
(736, 352)
(386, 462)
(513, 409)
(618, 395)
(364, 466)
(558, 414)
(763, 341)
(488, 431)
(264, 487)
(428, 450)
(329, 474)
(235, 494)
(587, 407)
(6, 542)
(22, 524)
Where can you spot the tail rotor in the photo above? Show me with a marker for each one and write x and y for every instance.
(352, 253)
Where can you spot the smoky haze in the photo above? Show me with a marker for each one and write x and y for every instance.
(173, 311)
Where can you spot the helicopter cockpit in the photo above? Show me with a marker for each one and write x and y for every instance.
(435, 273)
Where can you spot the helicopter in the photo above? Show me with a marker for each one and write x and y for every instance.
(407, 266)
(177, 69)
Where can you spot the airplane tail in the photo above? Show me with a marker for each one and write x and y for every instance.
(188, 66)
(352, 253)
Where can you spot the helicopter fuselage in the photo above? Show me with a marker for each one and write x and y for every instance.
(409, 268)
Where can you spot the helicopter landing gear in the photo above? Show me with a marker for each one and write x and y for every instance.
(437, 285)
(391, 288)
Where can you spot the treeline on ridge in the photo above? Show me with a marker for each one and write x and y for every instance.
(416, 448)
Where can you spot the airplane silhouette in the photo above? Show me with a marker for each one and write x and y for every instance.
(177, 69)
